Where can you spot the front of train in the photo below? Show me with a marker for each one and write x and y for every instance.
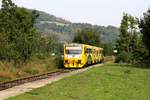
(73, 55)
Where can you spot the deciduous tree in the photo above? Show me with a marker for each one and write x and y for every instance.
(17, 25)
(144, 25)
(88, 36)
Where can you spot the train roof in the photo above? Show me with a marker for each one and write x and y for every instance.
(73, 44)
(79, 44)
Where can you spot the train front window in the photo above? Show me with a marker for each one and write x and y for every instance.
(73, 51)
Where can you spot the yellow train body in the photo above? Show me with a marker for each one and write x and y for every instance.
(79, 55)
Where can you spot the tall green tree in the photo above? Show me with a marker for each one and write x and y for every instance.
(144, 25)
(129, 37)
(87, 36)
(128, 33)
(123, 42)
(6, 19)
(17, 25)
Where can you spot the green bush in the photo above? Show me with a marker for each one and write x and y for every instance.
(41, 56)
(31, 71)
(124, 57)
(58, 61)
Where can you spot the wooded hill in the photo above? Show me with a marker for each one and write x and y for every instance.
(65, 30)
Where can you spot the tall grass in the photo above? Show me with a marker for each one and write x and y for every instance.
(9, 71)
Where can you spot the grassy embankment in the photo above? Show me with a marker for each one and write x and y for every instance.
(108, 82)
(35, 66)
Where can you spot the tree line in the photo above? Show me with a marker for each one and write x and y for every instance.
(19, 40)
(133, 44)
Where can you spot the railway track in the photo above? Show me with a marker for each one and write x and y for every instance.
(109, 58)
(10, 84)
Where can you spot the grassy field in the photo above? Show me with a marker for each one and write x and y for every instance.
(108, 82)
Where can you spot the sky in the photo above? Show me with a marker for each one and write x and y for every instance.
(96, 12)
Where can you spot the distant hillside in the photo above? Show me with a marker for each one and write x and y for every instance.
(44, 17)
(65, 30)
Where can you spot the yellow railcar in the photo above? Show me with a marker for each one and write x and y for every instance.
(79, 55)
